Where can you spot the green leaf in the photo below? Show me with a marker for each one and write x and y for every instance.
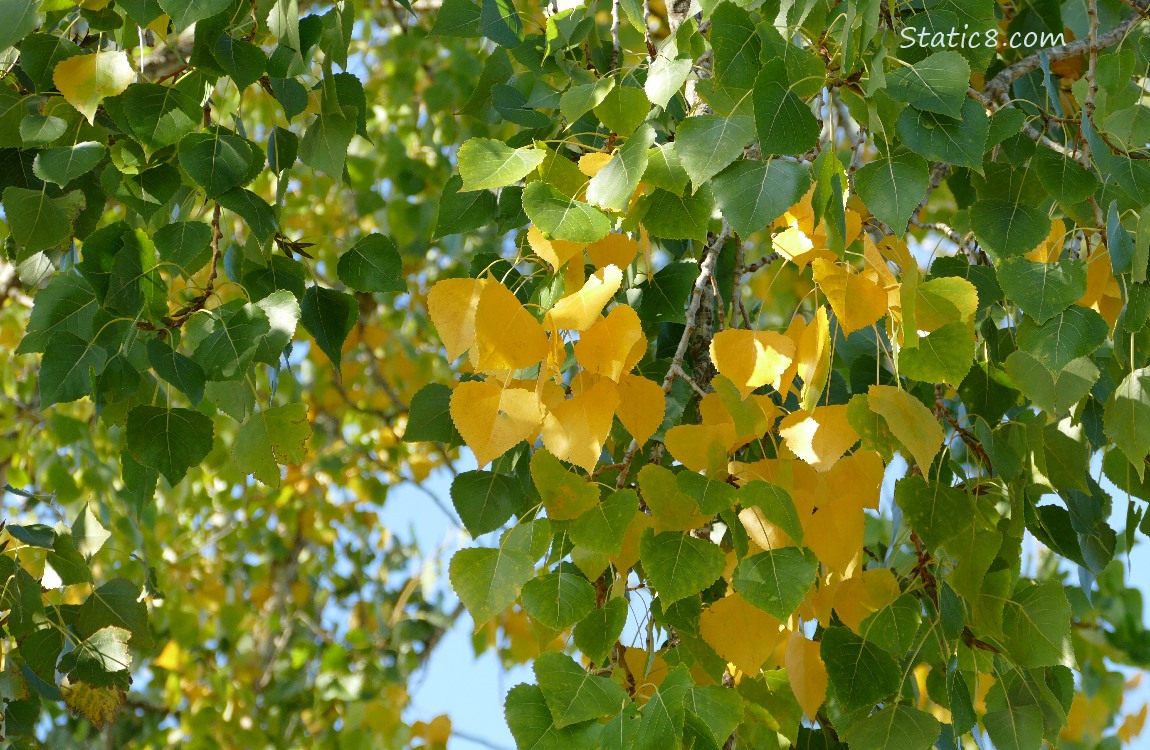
(372, 264)
(487, 163)
(665, 170)
(1036, 624)
(532, 725)
(961, 142)
(1068, 181)
(713, 714)
(484, 500)
(329, 316)
(596, 634)
(324, 144)
(602, 528)
(558, 600)
(1073, 333)
(892, 187)
(623, 109)
(665, 77)
(158, 116)
(936, 84)
(894, 626)
(88, 533)
(99, 657)
(487, 580)
(896, 726)
(713, 496)
(937, 513)
(785, 123)
(736, 46)
(1006, 230)
(579, 100)
(181, 371)
(169, 440)
(186, 12)
(1127, 418)
(117, 604)
(776, 505)
(613, 185)
(1013, 718)
(574, 695)
(283, 147)
(675, 217)
(562, 218)
(38, 222)
(943, 356)
(860, 673)
(430, 418)
(707, 144)
(66, 163)
(752, 194)
(66, 368)
(663, 715)
(243, 61)
(1042, 290)
(776, 581)
(67, 305)
(678, 564)
(271, 437)
(254, 210)
(20, 17)
(665, 294)
(459, 18)
(65, 563)
(233, 333)
(185, 245)
(461, 212)
(500, 22)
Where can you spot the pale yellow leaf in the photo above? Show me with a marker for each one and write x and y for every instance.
(507, 336)
(806, 673)
(814, 358)
(98, 705)
(452, 303)
(613, 250)
(857, 299)
(909, 420)
(493, 420)
(86, 80)
(590, 164)
(820, 436)
(701, 447)
(642, 404)
(576, 429)
(727, 627)
(751, 359)
(864, 593)
(579, 311)
(605, 348)
(556, 252)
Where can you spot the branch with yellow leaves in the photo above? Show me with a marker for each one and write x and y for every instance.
(702, 281)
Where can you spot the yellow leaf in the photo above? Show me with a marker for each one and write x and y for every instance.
(751, 359)
(439, 730)
(576, 429)
(764, 534)
(832, 511)
(613, 250)
(751, 417)
(820, 436)
(948, 299)
(671, 509)
(86, 80)
(642, 404)
(565, 495)
(863, 593)
(172, 657)
(806, 673)
(1051, 247)
(555, 252)
(452, 303)
(727, 626)
(1132, 725)
(507, 337)
(648, 672)
(701, 447)
(912, 423)
(590, 164)
(814, 358)
(579, 311)
(605, 348)
(797, 247)
(98, 705)
(858, 300)
(493, 420)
